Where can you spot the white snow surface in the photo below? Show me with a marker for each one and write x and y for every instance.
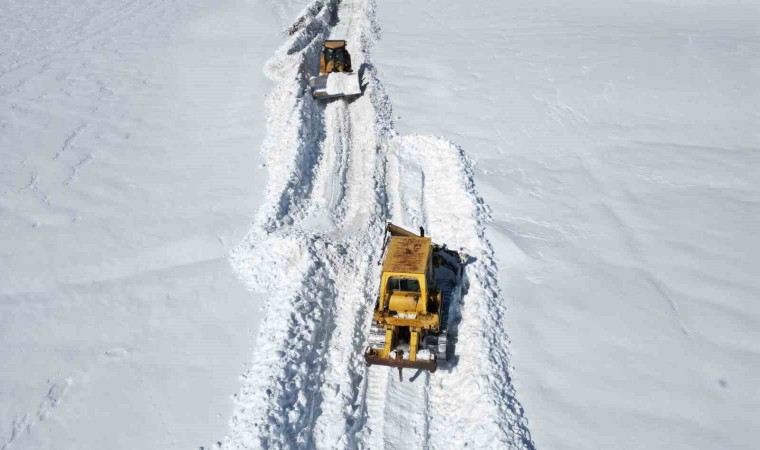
(617, 144)
(343, 83)
(129, 136)
(595, 159)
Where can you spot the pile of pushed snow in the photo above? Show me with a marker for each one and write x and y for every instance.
(343, 83)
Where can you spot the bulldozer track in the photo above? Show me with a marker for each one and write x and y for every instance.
(338, 173)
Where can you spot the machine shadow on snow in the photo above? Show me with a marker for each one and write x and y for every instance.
(455, 318)
(363, 68)
(416, 375)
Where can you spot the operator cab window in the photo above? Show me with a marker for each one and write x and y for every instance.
(403, 284)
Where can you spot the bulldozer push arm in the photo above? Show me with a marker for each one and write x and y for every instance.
(374, 360)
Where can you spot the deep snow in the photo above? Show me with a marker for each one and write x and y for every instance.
(614, 145)
(617, 144)
(129, 167)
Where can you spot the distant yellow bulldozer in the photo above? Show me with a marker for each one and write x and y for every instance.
(335, 58)
(410, 319)
(336, 76)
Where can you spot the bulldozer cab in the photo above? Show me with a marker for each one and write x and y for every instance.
(335, 58)
(406, 270)
(403, 284)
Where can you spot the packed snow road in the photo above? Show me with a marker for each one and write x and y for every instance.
(337, 173)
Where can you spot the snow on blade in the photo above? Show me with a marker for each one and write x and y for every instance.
(343, 83)
(338, 172)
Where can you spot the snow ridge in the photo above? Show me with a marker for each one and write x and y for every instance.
(337, 173)
(478, 320)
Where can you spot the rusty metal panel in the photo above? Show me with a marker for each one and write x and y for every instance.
(407, 255)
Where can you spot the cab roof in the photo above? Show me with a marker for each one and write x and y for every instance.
(407, 254)
(335, 44)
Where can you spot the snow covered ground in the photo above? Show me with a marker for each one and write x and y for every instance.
(129, 167)
(596, 159)
(617, 144)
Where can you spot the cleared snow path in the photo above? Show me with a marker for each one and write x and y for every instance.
(337, 173)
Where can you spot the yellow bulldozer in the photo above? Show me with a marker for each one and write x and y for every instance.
(336, 76)
(409, 323)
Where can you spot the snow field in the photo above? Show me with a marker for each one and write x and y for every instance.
(126, 176)
(605, 190)
(616, 145)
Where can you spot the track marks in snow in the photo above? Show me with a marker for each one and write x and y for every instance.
(398, 410)
(328, 191)
(282, 393)
(480, 374)
(25, 424)
(470, 401)
(70, 140)
(657, 285)
(338, 172)
(295, 128)
(74, 175)
(317, 282)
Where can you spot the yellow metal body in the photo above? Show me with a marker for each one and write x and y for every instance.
(408, 303)
(335, 57)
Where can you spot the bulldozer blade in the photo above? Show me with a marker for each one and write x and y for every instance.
(334, 85)
(430, 365)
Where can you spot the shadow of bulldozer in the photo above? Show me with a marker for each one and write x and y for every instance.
(453, 301)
